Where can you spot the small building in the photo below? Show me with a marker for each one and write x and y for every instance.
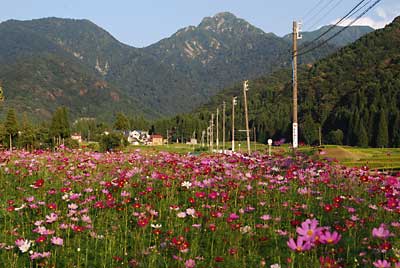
(193, 141)
(137, 137)
(156, 139)
(77, 137)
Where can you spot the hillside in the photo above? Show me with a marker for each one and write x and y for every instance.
(174, 75)
(353, 95)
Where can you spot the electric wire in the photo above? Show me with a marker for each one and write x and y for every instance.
(316, 16)
(348, 15)
(326, 14)
(343, 29)
(312, 10)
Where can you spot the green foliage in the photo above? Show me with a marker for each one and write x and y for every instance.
(310, 130)
(335, 137)
(362, 139)
(382, 139)
(60, 124)
(11, 124)
(111, 141)
(72, 144)
(121, 122)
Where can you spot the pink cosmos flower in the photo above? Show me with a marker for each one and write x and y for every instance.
(382, 232)
(265, 217)
(300, 245)
(330, 238)
(38, 255)
(57, 241)
(309, 229)
(382, 264)
(51, 218)
(190, 263)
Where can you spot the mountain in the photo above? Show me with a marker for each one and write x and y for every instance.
(173, 75)
(353, 95)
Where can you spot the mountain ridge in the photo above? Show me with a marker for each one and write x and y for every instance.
(174, 75)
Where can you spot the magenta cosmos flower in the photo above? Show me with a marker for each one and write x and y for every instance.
(381, 232)
(330, 238)
(57, 241)
(300, 245)
(309, 230)
(382, 264)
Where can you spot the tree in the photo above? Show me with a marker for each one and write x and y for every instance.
(362, 137)
(382, 138)
(11, 126)
(121, 122)
(396, 131)
(59, 128)
(335, 137)
(110, 141)
(28, 133)
(310, 130)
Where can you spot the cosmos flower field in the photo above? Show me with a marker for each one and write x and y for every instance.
(84, 209)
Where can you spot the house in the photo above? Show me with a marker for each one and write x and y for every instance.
(77, 137)
(156, 140)
(137, 137)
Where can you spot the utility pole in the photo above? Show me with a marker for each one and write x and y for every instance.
(245, 89)
(255, 139)
(167, 138)
(234, 102)
(217, 129)
(223, 126)
(212, 132)
(296, 36)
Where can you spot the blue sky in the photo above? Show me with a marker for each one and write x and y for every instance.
(141, 23)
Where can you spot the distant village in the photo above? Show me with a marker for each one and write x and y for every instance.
(139, 137)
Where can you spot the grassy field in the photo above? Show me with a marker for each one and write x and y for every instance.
(387, 159)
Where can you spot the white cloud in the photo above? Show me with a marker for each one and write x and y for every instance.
(381, 17)
(366, 21)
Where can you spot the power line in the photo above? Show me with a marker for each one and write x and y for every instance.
(326, 14)
(344, 28)
(319, 11)
(312, 10)
(349, 14)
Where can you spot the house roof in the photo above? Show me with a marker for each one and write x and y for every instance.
(156, 136)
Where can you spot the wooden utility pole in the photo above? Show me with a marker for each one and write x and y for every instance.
(223, 125)
(295, 122)
(245, 89)
(217, 129)
(255, 139)
(234, 102)
(212, 132)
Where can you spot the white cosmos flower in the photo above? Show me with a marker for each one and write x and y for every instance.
(186, 184)
(24, 247)
(156, 226)
(181, 215)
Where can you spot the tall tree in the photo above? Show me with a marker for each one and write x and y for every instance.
(382, 138)
(310, 129)
(59, 128)
(362, 137)
(121, 122)
(11, 126)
